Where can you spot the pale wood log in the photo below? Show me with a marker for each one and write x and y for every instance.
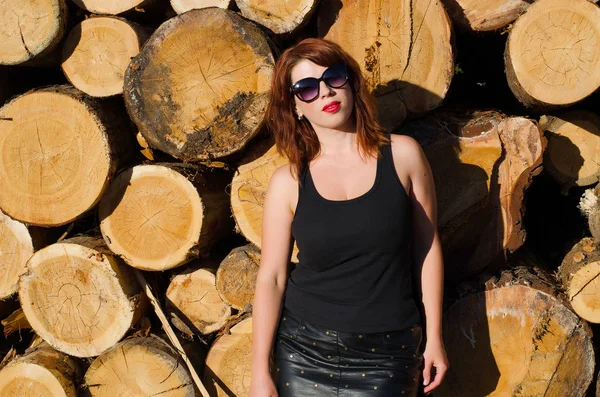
(97, 52)
(236, 277)
(578, 274)
(15, 323)
(402, 46)
(482, 162)
(589, 204)
(550, 55)
(194, 304)
(112, 7)
(195, 97)
(79, 297)
(16, 247)
(40, 371)
(139, 366)
(30, 30)
(281, 16)
(573, 155)
(181, 6)
(160, 216)
(249, 187)
(520, 331)
(58, 150)
(485, 15)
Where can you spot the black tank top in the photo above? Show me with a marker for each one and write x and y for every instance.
(354, 261)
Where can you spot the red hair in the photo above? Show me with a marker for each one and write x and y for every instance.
(296, 139)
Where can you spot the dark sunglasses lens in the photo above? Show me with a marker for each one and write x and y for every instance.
(307, 90)
(336, 81)
(336, 76)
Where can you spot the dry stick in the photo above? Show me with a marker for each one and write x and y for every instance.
(167, 327)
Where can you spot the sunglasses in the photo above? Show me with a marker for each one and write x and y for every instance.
(335, 76)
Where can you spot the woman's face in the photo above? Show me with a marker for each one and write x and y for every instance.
(332, 107)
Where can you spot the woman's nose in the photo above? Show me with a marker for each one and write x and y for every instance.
(325, 90)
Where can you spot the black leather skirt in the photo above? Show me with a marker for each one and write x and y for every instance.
(315, 361)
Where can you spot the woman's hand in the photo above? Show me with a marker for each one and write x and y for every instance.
(262, 386)
(434, 356)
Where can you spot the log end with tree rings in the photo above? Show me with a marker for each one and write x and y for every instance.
(485, 15)
(58, 150)
(249, 187)
(551, 56)
(579, 273)
(16, 247)
(41, 371)
(97, 53)
(573, 153)
(110, 7)
(403, 48)
(30, 29)
(157, 218)
(181, 6)
(79, 299)
(523, 338)
(199, 87)
(236, 276)
(229, 362)
(281, 16)
(194, 303)
(139, 366)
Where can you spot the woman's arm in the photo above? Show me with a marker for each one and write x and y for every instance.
(272, 273)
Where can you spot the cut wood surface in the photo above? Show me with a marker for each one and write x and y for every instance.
(41, 371)
(15, 323)
(589, 204)
(161, 216)
(482, 163)
(181, 6)
(249, 187)
(58, 150)
(236, 276)
(281, 16)
(194, 304)
(402, 46)
(79, 297)
(30, 29)
(228, 365)
(16, 247)
(97, 52)
(484, 15)
(579, 273)
(140, 366)
(199, 87)
(112, 7)
(523, 337)
(573, 155)
(551, 57)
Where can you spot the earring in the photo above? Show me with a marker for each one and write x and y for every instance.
(300, 116)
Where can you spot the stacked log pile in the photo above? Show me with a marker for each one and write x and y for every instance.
(134, 164)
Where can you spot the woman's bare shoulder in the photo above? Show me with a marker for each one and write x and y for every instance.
(407, 151)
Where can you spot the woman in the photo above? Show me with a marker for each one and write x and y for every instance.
(361, 207)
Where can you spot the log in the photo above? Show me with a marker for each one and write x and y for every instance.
(58, 150)
(181, 6)
(279, 16)
(521, 332)
(194, 304)
(402, 46)
(578, 274)
(249, 187)
(590, 206)
(16, 247)
(228, 365)
(160, 216)
(41, 371)
(140, 366)
(549, 57)
(482, 163)
(15, 323)
(112, 7)
(31, 30)
(236, 277)
(485, 15)
(97, 52)
(573, 155)
(79, 297)
(195, 97)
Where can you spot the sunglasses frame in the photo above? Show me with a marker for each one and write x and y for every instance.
(322, 78)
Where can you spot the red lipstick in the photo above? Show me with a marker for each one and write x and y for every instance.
(332, 107)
